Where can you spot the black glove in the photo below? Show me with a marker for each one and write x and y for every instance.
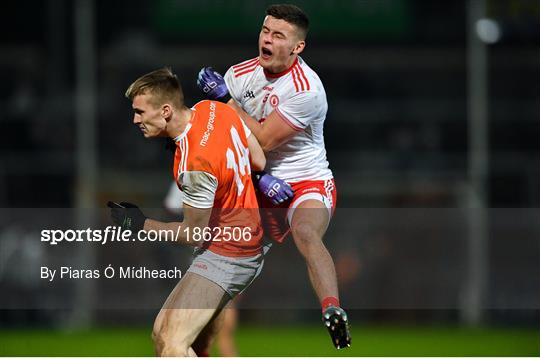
(128, 216)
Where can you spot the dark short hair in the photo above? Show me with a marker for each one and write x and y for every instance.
(292, 14)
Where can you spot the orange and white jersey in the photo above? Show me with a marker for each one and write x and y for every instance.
(298, 96)
(211, 167)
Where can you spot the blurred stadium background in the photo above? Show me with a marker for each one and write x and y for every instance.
(432, 134)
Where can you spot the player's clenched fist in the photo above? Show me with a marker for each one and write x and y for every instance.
(126, 215)
(275, 189)
(212, 84)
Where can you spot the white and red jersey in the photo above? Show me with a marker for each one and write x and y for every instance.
(298, 96)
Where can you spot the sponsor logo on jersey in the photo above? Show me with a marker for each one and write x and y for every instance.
(249, 94)
(201, 266)
(209, 125)
(268, 88)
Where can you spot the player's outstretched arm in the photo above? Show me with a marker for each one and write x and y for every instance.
(257, 160)
(182, 232)
(129, 217)
(271, 133)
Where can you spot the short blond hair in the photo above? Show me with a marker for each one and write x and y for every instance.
(162, 84)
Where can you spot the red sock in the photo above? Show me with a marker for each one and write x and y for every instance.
(329, 301)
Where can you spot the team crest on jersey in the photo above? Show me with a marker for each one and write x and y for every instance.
(274, 100)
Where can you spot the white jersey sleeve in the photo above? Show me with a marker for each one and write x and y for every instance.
(234, 86)
(199, 188)
(174, 199)
(235, 91)
(302, 108)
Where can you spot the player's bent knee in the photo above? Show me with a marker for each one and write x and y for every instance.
(167, 345)
(157, 337)
(170, 350)
(159, 341)
(165, 342)
(305, 235)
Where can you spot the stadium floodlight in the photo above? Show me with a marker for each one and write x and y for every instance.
(488, 30)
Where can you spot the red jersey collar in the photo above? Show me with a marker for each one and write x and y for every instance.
(282, 73)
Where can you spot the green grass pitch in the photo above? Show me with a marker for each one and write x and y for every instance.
(286, 341)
